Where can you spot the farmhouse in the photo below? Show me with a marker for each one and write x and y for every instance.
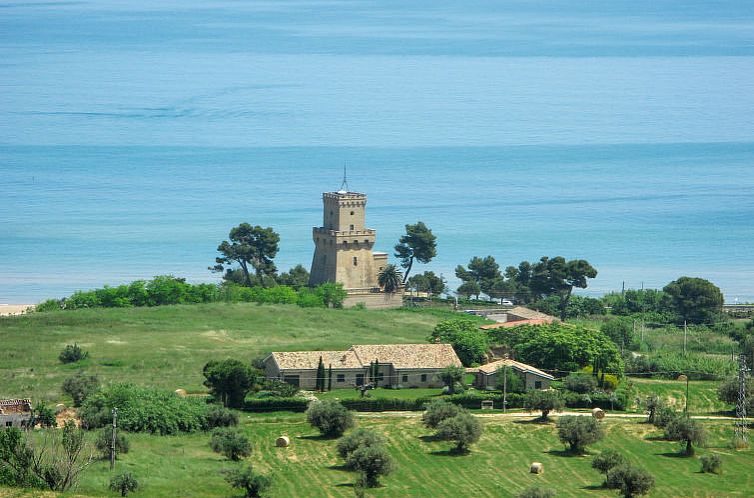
(397, 365)
(518, 316)
(488, 375)
(15, 412)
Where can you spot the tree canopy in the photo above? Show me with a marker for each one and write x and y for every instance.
(389, 279)
(484, 272)
(695, 300)
(417, 244)
(229, 380)
(249, 246)
(556, 276)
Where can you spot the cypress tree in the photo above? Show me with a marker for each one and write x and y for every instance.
(329, 377)
(320, 376)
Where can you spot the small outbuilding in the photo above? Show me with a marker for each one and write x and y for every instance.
(15, 412)
(487, 375)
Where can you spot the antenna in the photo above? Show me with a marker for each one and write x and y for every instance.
(344, 184)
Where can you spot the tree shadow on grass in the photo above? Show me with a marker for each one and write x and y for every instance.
(430, 438)
(533, 421)
(341, 467)
(452, 452)
(656, 438)
(595, 487)
(567, 453)
(674, 454)
(317, 437)
(344, 485)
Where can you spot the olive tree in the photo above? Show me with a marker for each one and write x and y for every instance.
(578, 432)
(371, 462)
(607, 460)
(544, 401)
(631, 481)
(438, 410)
(231, 443)
(686, 430)
(464, 429)
(330, 417)
(124, 483)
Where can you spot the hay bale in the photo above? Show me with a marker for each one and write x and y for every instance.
(282, 442)
(181, 392)
(598, 413)
(537, 468)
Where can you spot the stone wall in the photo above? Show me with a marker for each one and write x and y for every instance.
(374, 300)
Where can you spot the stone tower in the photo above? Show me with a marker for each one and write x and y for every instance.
(343, 245)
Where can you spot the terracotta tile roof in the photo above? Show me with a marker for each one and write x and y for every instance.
(360, 356)
(506, 325)
(310, 359)
(409, 355)
(492, 367)
(8, 406)
(527, 314)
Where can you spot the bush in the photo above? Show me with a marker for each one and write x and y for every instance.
(330, 417)
(687, 431)
(372, 462)
(72, 353)
(219, 416)
(231, 443)
(142, 409)
(464, 429)
(246, 479)
(580, 383)
(712, 464)
(607, 460)
(437, 411)
(579, 431)
(631, 481)
(80, 386)
(536, 492)
(544, 401)
(124, 483)
(104, 441)
(357, 439)
(274, 387)
(44, 416)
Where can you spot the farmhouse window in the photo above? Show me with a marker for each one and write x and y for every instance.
(404, 378)
(537, 384)
(424, 377)
(341, 378)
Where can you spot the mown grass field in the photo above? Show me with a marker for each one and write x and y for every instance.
(703, 398)
(167, 346)
(496, 467)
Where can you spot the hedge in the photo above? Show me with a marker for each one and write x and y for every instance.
(274, 404)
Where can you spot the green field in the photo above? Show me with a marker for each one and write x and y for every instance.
(703, 398)
(167, 346)
(496, 467)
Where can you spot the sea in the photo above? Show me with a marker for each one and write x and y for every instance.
(135, 134)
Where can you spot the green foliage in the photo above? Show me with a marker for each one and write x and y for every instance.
(557, 277)
(686, 430)
(427, 282)
(229, 380)
(728, 392)
(80, 386)
(245, 479)
(712, 463)
(44, 416)
(695, 300)
(417, 244)
(672, 364)
(104, 441)
(278, 388)
(510, 380)
(631, 481)
(536, 492)
(389, 278)
(331, 418)
(357, 439)
(219, 416)
(464, 429)
(124, 483)
(143, 410)
(482, 275)
(469, 342)
(371, 462)
(580, 383)
(468, 289)
(642, 301)
(606, 460)
(544, 401)
(578, 432)
(249, 246)
(653, 404)
(72, 353)
(332, 294)
(620, 331)
(17, 460)
(438, 410)
(577, 307)
(296, 278)
(452, 376)
(230, 442)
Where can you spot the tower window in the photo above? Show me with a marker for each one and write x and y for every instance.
(345, 242)
(366, 241)
(351, 213)
(351, 228)
(355, 261)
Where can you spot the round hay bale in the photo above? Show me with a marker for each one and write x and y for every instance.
(283, 442)
(181, 392)
(537, 468)
(59, 408)
(598, 413)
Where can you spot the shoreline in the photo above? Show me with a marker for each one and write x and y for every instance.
(15, 309)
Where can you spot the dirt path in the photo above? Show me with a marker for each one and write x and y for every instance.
(534, 414)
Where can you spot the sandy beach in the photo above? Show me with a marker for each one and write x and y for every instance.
(14, 309)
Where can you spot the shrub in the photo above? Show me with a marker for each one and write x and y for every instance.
(143, 409)
(231, 443)
(357, 439)
(330, 417)
(229, 380)
(437, 411)
(631, 481)
(536, 492)
(464, 429)
(727, 392)
(607, 460)
(712, 464)
(452, 376)
(219, 416)
(246, 479)
(663, 415)
(278, 388)
(578, 432)
(104, 441)
(272, 404)
(44, 416)
(372, 462)
(80, 386)
(72, 353)
(544, 401)
(686, 430)
(580, 383)
(124, 483)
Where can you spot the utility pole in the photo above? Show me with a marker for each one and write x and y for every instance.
(505, 387)
(740, 429)
(112, 442)
(685, 332)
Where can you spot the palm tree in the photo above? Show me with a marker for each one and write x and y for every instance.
(389, 279)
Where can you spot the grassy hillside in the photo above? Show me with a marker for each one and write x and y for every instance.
(498, 465)
(168, 346)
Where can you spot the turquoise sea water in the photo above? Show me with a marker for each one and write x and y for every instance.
(133, 135)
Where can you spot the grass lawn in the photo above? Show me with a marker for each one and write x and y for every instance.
(496, 467)
(167, 346)
(702, 394)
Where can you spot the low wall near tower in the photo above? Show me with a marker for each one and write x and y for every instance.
(374, 300)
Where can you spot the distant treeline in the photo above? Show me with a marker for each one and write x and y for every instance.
(167, 289)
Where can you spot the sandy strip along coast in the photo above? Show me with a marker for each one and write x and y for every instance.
(14, 309)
